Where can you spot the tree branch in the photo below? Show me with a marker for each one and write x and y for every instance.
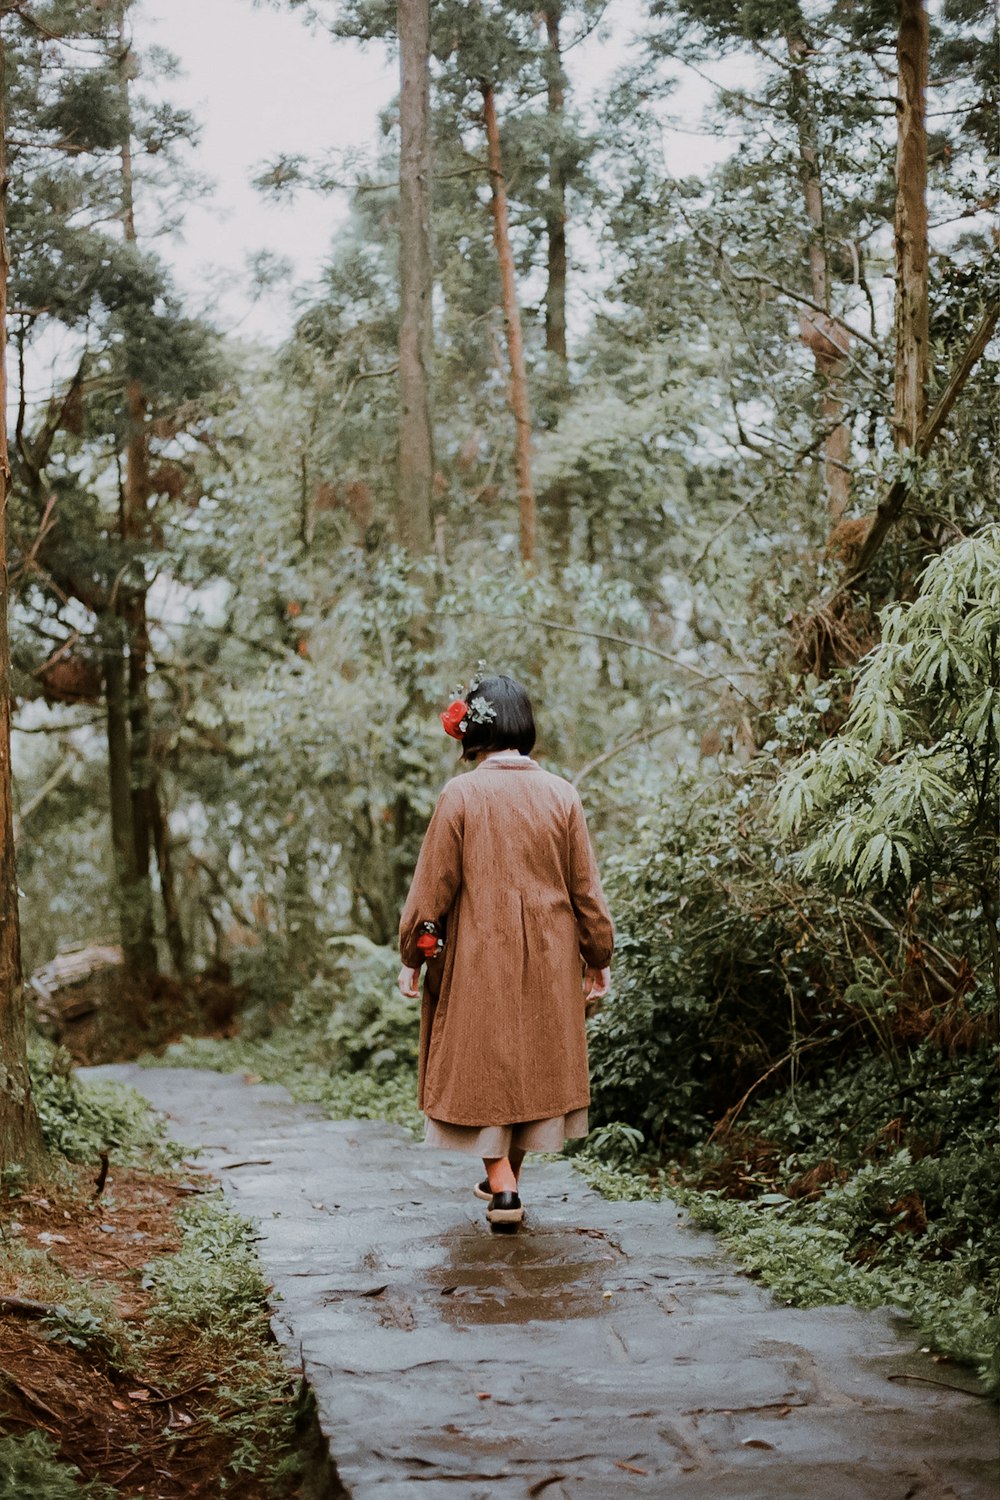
(618, 640)
(893, 502)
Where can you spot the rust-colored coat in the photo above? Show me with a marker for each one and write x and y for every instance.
(507, 866)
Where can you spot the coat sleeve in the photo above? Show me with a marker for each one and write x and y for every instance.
(593, 920)
(437, 877)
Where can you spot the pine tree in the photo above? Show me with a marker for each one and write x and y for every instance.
(89, 465)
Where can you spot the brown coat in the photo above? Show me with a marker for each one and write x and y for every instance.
(507, 865)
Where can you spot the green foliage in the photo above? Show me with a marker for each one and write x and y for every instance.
(83, 1314)
(30, 1466)
(918, 1235)
(908, 790)
(79, 1120)
(212, 1290)
(81, 1329)
(347, 1043)
(213, 1282)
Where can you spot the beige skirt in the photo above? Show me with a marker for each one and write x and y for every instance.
(499, 1140)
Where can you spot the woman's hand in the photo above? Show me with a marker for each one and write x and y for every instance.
(596, 983)
(407, 982)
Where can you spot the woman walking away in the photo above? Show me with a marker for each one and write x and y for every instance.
(507, 911)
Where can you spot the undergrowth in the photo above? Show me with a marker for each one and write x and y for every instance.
(30, 1469)
(347, 1041)
(203, 1325)
(212, 1293)
(825, 1205)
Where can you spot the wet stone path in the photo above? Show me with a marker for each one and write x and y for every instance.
(607, 1349)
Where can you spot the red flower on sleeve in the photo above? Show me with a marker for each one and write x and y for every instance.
(428, 944)
(455, 719)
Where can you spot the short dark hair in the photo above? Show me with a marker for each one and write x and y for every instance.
(513, 728)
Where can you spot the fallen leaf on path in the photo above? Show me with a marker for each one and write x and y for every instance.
(757, 1443)
(485, 1396)
(630, 1468)
(543, 1484)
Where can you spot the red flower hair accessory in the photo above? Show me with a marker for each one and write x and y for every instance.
(468, 708)
(456, 719)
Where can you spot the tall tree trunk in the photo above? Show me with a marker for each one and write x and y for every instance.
(556, 498)
(133, 741)
(20, 1138)
(820, 332)
(512, 323)
(555, 212)
(415, 470)
(912, 303)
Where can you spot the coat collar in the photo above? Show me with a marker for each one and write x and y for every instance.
(498, 763)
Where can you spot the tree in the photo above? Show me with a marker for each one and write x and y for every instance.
(416, 447)
(93, 479)
(20, 1139)
(828, 339)
(519, 403)
(912, 317)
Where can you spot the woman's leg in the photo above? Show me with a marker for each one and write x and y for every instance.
(495, 1169)
(501, 1174)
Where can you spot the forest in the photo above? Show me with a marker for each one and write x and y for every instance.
(708, 461)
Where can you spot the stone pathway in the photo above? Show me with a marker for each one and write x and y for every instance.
(608, 1349)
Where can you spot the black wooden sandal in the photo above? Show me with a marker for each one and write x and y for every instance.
(505, 1208)
(482, 1190)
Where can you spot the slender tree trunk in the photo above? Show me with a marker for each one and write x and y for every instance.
(912, 304)
(512, 323)
(134, 740)
(415, 482)
(132, 883)
(173, 927)
(820, 332)
(20, 1138)
(556, 500)
(555, 212)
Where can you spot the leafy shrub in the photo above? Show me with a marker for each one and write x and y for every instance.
(348, 1042)
(372, 1025)
(724, 963)
(30, 1467)
(79, 1120)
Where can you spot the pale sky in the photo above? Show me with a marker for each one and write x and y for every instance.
(260, 83)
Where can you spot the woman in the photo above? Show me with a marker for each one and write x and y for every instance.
(507, 910)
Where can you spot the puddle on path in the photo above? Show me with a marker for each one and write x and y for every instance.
(533, 1276)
